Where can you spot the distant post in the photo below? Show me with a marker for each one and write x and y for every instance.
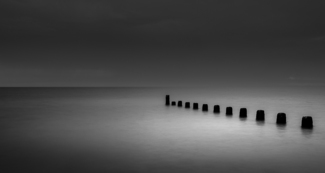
(187, 105)
(229, 111)
(307, 122)
(180, 104)
(173, 103)
(260, 115)
(243, 113)
(205, 108)
(167, 100)
(281, 119)
(195, 106)
(216, 109)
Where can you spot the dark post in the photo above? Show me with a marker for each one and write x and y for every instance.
(187, 105)
(195, 106)
(173, 103)
(180, 104)
(167, 100)
(281, 119)
(229, 111)
(243, 113)
(260, 115)
(205, 108)
(216, 109)
(307, 122)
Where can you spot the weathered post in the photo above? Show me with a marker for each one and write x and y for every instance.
(195, 106)
(180, 104)
(307, 122)
(167, 100)
(173, 103)
(216, 109)
(187, 105)
(281, 119)
(205, 108)
(243, 113)
(229, 111)
(260, 115)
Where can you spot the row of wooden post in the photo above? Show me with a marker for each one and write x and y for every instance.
(306, 122)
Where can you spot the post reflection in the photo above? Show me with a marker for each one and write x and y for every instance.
(242, 118)
(260, 123)
(281, 127)
(307, 132)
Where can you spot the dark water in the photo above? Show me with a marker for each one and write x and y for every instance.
(130, 129)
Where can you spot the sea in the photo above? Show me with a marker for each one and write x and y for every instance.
(130, 129)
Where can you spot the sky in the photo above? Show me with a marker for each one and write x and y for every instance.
(161, 42)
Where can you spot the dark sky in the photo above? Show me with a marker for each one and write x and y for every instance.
(161, 42)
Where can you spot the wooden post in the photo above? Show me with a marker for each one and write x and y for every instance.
(281, 119)
(243, 113)
(180, 104)
(167, 100)
(307, 122)
(229, 111)
(205, 108)
(216, 109)
(195, 106)
(260, 115)
(187, 105)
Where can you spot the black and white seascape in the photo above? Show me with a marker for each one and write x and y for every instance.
(132, 130)
(162, 86)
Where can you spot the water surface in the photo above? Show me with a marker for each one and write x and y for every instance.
(130, 129)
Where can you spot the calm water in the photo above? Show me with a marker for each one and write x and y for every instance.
(130, 129)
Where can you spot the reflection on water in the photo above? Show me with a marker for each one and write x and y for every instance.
(260, 123)
(307, 132)
(281, 127)
(242, 119)
(115, 130)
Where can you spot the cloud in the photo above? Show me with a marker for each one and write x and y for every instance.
(76, 10)
(213, 19)
(39, 76)
(307, 81)
(293, 78)
(167, 26)
(318, 39)
(25, 25)
(35, 16)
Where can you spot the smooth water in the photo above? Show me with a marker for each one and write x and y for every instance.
(130, 129)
